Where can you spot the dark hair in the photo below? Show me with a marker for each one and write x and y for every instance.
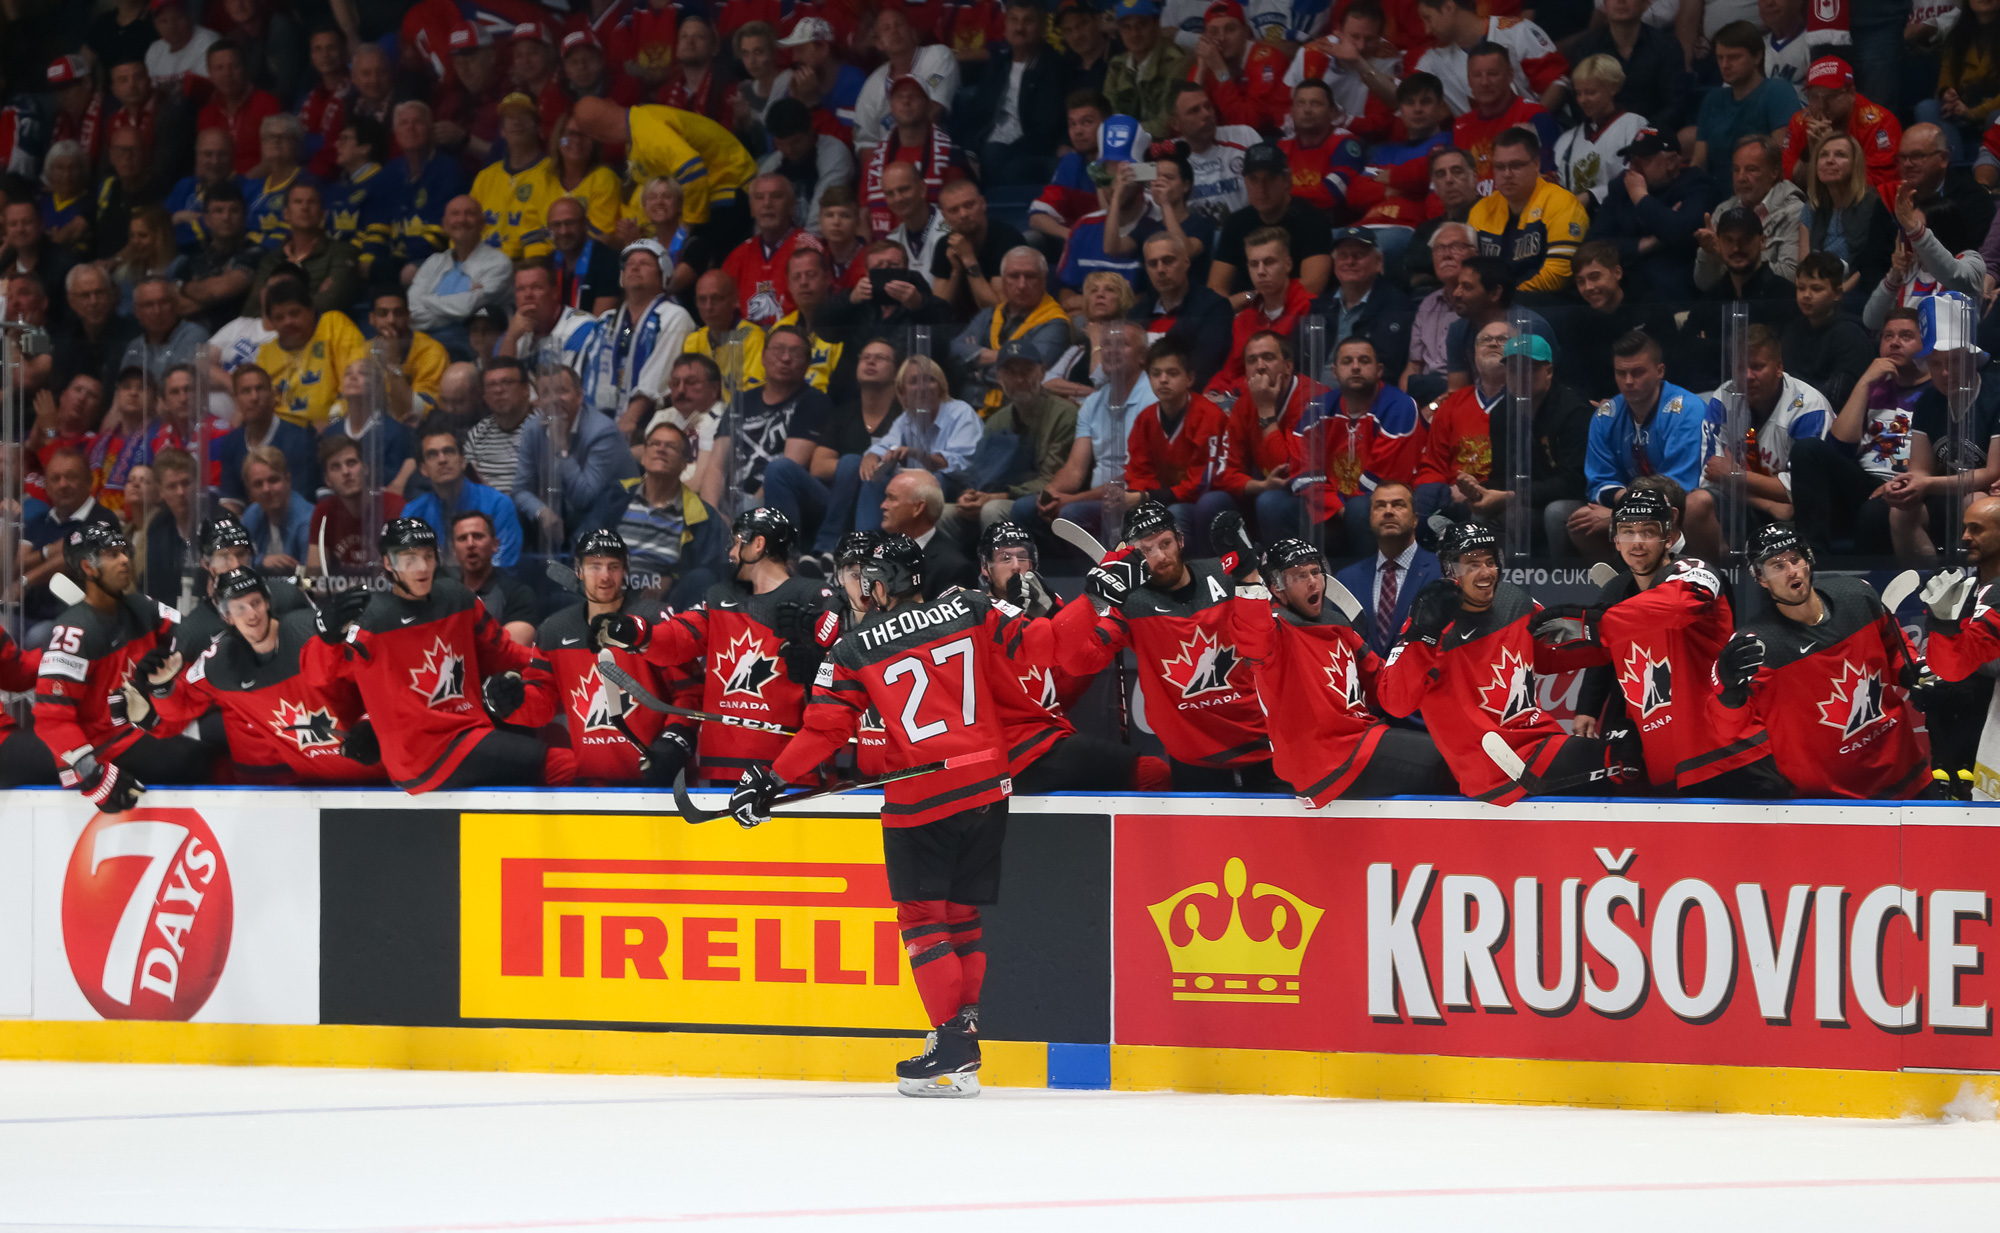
(1357, 340)
(371, 133)
(1966, 37)
(1667, 486)
(1177, 155)
(229, 45)
(1597, 252)
(787, 117)
(285, 291)
(1743, 37)
(1315, 83)
(388, 290)
(1368, 9)
(1487, 47)
(1824, 266)
(1493, 274)
(707, 363)
(501, 363)
(1086, 97)
(464, 514)
(1635, 342)
(796, 331)
(1903, 314)
(1521, 138)
(1438, 152)
(227, 190)
(1416, 84)
(1171, 345)
(1185, 87)
(302, 186)
(1284, 343)
(543, 264)
(332, 445)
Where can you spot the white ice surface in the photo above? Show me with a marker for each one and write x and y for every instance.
(158, 1147)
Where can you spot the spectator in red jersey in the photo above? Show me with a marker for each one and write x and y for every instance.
(1275, 300)
(81, 110)
(1833, 106)
(586, 72)
(1342, 451)
(467, 110)
(236, 105)
(1175, 447)
(699, 81)
(918, 141)
(1325, 160)
(1458, 27)
(1245, 80)
(1495, 109)
(1359, 68)
(326, 107)
(132, 89)
(758, 264)
(1256, 462)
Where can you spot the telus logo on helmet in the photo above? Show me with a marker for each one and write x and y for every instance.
(147, 912)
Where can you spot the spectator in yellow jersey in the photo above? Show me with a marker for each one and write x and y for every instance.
(703, 157)
(579, 166)
(282, 138)
(309, 354)
(809, 277)
(516, 192)
(1528, 222)
(715, 302)
(413, 358)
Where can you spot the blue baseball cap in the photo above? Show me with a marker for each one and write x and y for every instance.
(1135, 8)
(1120, 139)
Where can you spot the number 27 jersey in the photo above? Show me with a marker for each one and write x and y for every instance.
(939, 675)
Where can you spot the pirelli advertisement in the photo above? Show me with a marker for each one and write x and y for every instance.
(1858, 939)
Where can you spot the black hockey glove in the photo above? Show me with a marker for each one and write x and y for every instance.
(503, 694)
(149, 664)
(796, 623)
(360, 744)
(105, 786)
(1027, 591)
(668, 756)
(750, 804)
(1741, 659)
(618, 629)
(347, 609)
(1433, 611)
(1565, 624)
(1111, 580)
(1233, 544)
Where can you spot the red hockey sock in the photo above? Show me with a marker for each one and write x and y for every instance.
(963, 922)
(1151, 774)
(933, 962)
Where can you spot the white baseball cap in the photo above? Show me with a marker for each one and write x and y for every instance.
(809, 30)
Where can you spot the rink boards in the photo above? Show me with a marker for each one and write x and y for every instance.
(1807, 958)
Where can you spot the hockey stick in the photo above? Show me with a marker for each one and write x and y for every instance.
(1898, 590)
(66, 592)
(1086, 543)
(610, 671)
(564, 577)
(1079, 539)
(618, 712)
(1602, 573)
(688, 810)
(1511, 765)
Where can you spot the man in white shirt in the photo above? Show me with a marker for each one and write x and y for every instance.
(182, 48)
(920, 226)
(1215, 152)
(1094, 475)
(452, 286)
(933, 65)
(625, 373)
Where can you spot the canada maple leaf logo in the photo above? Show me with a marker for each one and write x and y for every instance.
(1343, 679)
(442, 676)
(1204, 666)
(743, 668)
(1040, 686)
(1511, 695)
(1648, 682)
(310, 728)
(1856, 701)
(591, 702)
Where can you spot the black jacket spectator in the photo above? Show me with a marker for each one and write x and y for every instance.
(1656, 86)
(1203, 321)
(1960, 212)
(1830, 358)
(1669, 216)
(1044, 124)
(1384, 319)
(1562, 438)
(840, 320)
(1583, 361)
(945, 566)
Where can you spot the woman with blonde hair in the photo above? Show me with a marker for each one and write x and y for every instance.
(654, 213)
(1077, 373)
(1844, 216)
(1587, 158)
(579, 165)
(935, 433)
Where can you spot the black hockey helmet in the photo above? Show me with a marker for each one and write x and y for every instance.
(1007, 535)
(897, 563)
(1774, 538)
(1463, 537)
(403, 534)
(1283, 554)
(237, 583)
(603, 542)
(1643, 505)
(222, 531)
(1148, 518)
(777, 530)
(856, 547)
(92, 538)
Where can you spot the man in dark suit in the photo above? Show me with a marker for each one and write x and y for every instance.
(912, 506)
(1361, 303)
(1385, 582)
(1016, 119)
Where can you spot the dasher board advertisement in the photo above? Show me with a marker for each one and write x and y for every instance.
(206, 912)
(645, 919)
(1585, 932)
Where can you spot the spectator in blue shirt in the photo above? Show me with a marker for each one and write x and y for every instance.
(452, 494)
(1652, 427)
(255, 403)
(278, 519)
(1746, 103)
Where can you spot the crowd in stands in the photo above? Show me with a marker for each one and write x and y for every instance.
(530, 274)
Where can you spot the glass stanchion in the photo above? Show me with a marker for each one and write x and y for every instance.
(1961, 457)
(1311, 343)
(1733, 392)
(1516, 469)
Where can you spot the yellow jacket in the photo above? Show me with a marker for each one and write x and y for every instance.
(307, 381)
(516, 205)
(1538, 245)
(703, 157)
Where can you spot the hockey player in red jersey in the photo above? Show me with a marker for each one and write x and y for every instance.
(1315, 676)
(758, 634)
(260, 670)
(426, 655)
(1828, 672)
(1174, 614)
(1048, 754)
(606, 732)
(226, 546)
(938, 673)
(95, 647)
(1658, 630)
(1467, 661)
(23, 758)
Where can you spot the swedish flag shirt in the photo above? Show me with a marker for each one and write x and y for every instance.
(307, 381)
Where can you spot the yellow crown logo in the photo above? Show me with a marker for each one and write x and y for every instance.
(1235, 967)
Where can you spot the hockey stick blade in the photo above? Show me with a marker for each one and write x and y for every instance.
(693, 814)
(608, 669)
(65, 591)
(1602, 573)
(1503, 756)
(1342, 598)
(1898, 590)
(564, 577)
(1079, 539)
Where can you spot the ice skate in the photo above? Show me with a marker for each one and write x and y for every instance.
(949, 1064)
